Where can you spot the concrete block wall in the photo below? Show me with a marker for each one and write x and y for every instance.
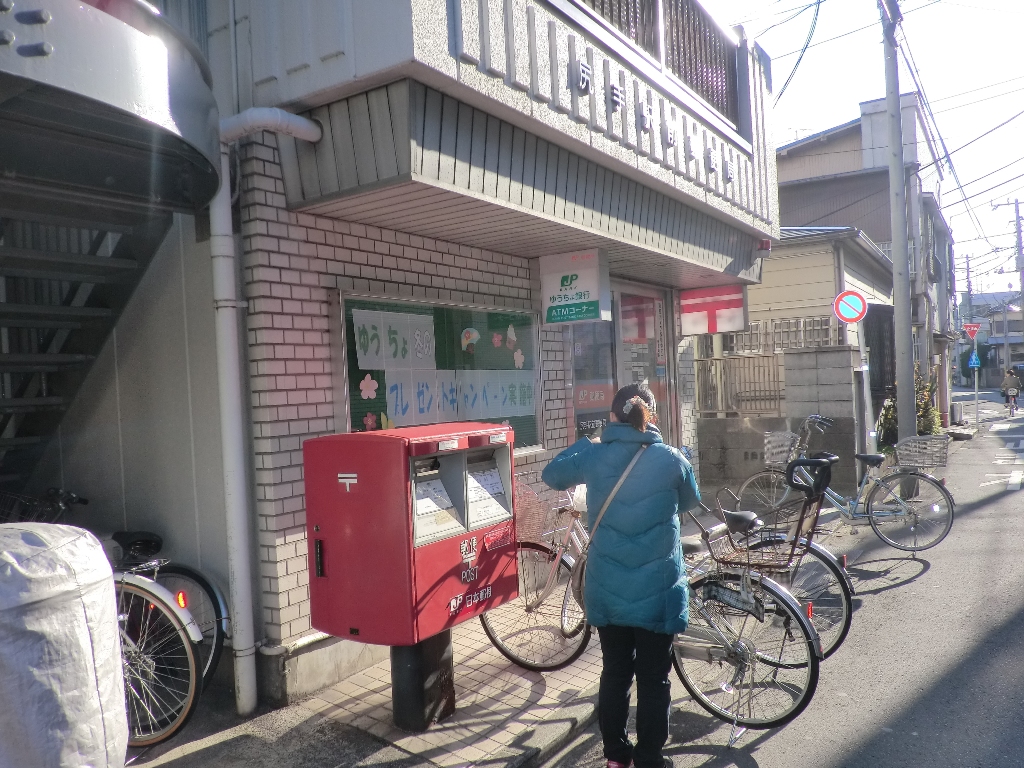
(821, 380)
(686, 387)
(290, 263)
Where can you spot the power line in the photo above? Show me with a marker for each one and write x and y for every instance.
(982, 88)
(915, 74)
(976, 138)
(807, 42)
(979, 101)
(852, 31)
(1001, 234)
(976, 194)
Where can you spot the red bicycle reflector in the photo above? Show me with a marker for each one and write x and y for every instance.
(842, 560)
(182, 599)
(810, 611)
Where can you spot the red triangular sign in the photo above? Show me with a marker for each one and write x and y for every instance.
(972, 329)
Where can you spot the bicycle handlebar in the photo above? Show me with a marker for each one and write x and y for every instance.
(66, 497)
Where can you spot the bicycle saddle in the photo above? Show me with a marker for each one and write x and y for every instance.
(871, 459)
(138, 544)
(741, 522)
(692, 545)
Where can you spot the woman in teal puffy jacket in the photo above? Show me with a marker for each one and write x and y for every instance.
(636, 587)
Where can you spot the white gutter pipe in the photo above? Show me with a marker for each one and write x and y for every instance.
(233, 395)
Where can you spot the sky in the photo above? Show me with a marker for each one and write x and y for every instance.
(968, 56)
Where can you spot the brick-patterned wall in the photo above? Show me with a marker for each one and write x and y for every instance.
(291, 261)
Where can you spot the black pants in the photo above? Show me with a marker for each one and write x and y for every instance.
(648, 655)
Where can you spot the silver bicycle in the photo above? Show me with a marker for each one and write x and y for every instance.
(750, 656)
(907, 509)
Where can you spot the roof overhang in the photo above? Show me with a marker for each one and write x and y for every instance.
(409, 158)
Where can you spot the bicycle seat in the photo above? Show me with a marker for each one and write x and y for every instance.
(138, 544)
(871, 459)
(741, 522)
(692, 545)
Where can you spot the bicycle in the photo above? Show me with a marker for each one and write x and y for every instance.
(1011, 398)
(907, 509)
(817, 579)
(768, 673)
(159, 638)
(543, 635)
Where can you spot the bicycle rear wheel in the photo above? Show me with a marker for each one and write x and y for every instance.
(195, 592)
(768, 672)
(910, 511)
(818, 583)
(162, 679)
(550, 635)
(763, 492)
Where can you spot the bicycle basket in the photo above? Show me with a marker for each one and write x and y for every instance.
(922, 451)
(537, 515)
(15, 508)
(780, 448)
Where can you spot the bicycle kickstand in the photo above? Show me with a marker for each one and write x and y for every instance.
(735, 732)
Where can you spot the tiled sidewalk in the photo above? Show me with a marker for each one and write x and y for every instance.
(500, 708)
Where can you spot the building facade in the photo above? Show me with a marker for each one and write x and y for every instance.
(839, 177)
(391, 271)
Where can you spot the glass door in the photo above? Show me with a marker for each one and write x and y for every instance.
(642, 347)
(634, 348)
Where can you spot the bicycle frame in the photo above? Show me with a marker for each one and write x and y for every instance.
(575, 536)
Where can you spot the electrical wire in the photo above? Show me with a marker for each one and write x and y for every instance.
(852, 31)
(975, 90)
(977, 138)
(976, 194)
(979, 101)
(807, 42)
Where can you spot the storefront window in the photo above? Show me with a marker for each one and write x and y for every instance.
(411, 364)
(593, 376)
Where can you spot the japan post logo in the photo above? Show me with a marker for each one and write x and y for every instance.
(569, 280)
(348, 479)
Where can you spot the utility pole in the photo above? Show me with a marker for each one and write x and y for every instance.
(906, 402)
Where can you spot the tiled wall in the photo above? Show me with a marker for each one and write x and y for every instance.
(291, 261)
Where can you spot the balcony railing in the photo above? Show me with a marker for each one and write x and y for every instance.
(778, 335)
(748, 385)
(685, 40)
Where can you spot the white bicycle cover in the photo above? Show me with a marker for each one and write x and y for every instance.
(61, 686)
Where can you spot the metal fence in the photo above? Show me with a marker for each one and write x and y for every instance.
(748, 385)
(695, 49)
(766, 336)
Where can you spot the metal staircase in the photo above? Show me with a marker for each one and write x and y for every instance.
(62, 288)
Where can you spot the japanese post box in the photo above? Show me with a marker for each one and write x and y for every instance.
(410, 530)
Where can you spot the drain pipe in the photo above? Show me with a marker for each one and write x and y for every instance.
(233, 395)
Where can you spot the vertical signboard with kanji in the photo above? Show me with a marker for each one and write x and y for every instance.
(416, 364)
(575, 287)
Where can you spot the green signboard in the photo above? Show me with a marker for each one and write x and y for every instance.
(412, 364)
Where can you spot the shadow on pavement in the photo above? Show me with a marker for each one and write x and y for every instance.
(953, 722)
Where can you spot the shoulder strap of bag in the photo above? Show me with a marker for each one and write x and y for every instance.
(615, 490)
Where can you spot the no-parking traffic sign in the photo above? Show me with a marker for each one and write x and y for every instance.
(850, 306)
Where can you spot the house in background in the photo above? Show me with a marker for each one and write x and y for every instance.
(840, 177)
(796, 358)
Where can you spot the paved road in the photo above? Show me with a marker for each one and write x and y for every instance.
(932, 673)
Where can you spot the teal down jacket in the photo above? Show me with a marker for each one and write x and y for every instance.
(635, 571)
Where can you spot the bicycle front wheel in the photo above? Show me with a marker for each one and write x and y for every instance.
(763, 492)
(818, 584)
(545, 636)
(161, 670)
(195, 592)
(757, 672)
(910, 511)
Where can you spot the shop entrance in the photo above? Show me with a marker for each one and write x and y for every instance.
(634, 348)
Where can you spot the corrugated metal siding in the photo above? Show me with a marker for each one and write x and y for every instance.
(859, 201)
(407, 132)
(799, 285)
(841, 154)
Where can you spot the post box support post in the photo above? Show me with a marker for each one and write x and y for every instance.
(423, 682)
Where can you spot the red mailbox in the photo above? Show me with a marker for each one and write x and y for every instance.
(410, 530)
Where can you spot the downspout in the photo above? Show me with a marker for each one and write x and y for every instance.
(233, 395)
